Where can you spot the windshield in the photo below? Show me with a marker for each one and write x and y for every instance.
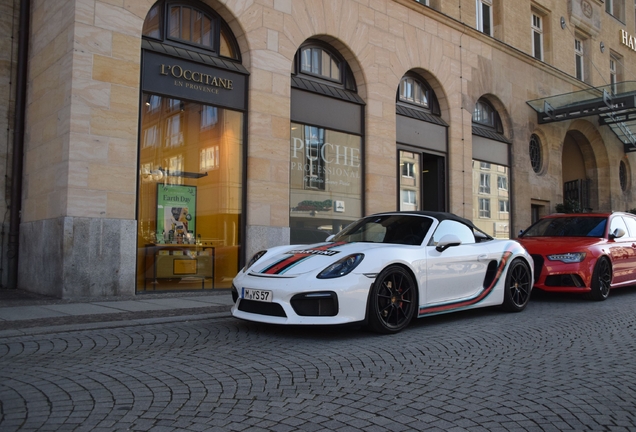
(397, 229)
(576, 226)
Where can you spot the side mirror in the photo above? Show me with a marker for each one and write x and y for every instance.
(618, 233)
(449, 240)
(328, 239)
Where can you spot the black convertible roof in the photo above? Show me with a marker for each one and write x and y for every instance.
(437, 215)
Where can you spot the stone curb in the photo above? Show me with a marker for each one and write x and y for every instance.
(115, 322)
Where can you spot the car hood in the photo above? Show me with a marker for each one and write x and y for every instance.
(552, 245)
(291, 261)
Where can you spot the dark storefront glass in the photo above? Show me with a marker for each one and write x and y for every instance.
(326, 179)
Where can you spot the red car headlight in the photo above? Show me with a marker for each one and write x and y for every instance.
(570, 257)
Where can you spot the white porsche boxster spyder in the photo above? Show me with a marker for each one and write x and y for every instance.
(384, 270)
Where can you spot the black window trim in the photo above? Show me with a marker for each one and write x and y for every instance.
(347, 81)
(536, 162)
(220, 28)
(433, 105)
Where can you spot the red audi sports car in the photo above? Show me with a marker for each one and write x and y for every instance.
(586, 253)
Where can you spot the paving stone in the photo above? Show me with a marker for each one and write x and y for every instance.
(481, 370)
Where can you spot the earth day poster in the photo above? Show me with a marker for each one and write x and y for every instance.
(176, 213)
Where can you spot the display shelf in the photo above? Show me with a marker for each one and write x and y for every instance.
(178, 261)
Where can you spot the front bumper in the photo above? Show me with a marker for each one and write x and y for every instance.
(556, 276)
(303, 300)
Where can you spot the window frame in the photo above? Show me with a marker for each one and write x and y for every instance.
(479, 13)
(346, 80)
(505, 203)
(579, 58)
(409, 184)
(484, 183)
(431, 106)
(616, 10)
(193, 10)
(612, 69)
(502, 182)
(316, 59)
(494, 122)
(410, 193)
(484, 208)
(537, 29)
(615, 71)
(219, 30)
(410, 168)
(414, 83)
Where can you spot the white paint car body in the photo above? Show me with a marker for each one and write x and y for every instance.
(443, 271)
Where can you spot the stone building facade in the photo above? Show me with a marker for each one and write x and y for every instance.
(285, 145)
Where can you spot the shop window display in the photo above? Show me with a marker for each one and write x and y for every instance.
(326, 179)
(189, 201)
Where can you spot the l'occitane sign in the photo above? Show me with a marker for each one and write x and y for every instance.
(179, 72)
(628, 40)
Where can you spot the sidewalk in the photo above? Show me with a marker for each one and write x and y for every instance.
(24, 313)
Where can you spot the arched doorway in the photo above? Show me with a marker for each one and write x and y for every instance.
(579, 174)
(422, 146)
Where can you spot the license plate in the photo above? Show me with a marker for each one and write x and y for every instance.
(257, 295)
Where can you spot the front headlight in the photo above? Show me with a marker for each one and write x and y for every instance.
(341, 267)
(570, 257)
(255, 258)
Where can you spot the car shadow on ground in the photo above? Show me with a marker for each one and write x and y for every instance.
(359, 331)
(555, 297)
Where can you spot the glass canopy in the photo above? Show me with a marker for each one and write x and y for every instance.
(615, 104)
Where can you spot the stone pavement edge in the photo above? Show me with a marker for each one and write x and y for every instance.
(22, 312)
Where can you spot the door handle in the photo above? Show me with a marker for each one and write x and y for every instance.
(482, 257)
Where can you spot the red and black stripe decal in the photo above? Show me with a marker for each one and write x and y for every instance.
(298, 256)
(476, 299)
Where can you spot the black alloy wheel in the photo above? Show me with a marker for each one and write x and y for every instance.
(601, 280)
(518, 286)
(392, 300)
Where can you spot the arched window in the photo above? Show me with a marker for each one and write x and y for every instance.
(319, 61)
(486, 115)
(190, 25)
(413, 91)
(316, 61)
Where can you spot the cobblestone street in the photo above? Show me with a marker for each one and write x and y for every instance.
(562, 364)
